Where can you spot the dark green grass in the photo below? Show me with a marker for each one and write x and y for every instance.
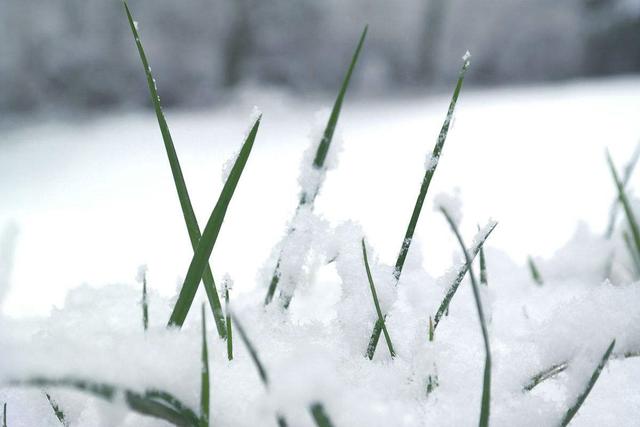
(535, 273)
(229, 323)
(181, 188)
(202, 253)
(320, 157)
(573, 410)
(485, 407)
(422, 194)
(204, 380)
(145, 302)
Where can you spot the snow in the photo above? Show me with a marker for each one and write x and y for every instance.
(86, 224)
(452, 203)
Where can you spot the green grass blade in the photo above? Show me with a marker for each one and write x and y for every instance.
(4, 415)
(545, 375)
(444, 305)
(632, 253)
(594, 377)
(202, 253)
(228, 322)
(181, 188)
(153, 403)
(535, 273)
(483, 266)
(628, 171)
(435, 157)
(253, 353)
(59, 413)
(486, 383)
(374, 294)
(417, 209)
(320, 415)
(204, 384)
(322, 151)
(631, 219)
(145, 302)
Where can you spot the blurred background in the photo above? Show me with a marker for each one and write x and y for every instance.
(86, 193)
(77, 54)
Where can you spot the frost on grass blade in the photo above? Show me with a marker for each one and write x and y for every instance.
(431, 165)
(374, 294)
(204, 386)
(318, 168)
(153, 403)
(479, 240)
(486, 384)
(571, 412)
(200, 259)
(181, 188)
(227, 284)
(57, 411)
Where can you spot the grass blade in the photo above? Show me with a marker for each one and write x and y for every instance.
(226, 285)
(253, 353)
(628, 171)
(154, 403)
(435, 157)
(321, 153)
(145, 302)
(415, 215)
(483, 266)
(4, 415)
(486, 384)
(59, 413)
(631, 219)
(202, 253)
(535, 273)
(181, 188)
(632, 253)
(374, 294)
(444, 305)
(204, 384)
(594, 377)
(319, 415)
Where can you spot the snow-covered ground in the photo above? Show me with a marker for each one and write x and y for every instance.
(92, 200)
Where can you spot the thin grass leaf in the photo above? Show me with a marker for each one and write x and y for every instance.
(594, 377)
(228, 322)
(4, 415)
(628, 171)
(59, 413)
(200, 259)
(253, 353)
(632, 253)
(417, 209)
(631, 219)
(486, 384)
(374, 294)
(483, 266)
(153, 403)
(145, 302)
(321, 154)
(181, 188)
(473, 252)
(204, 383)
(320, 415)
(535, 273)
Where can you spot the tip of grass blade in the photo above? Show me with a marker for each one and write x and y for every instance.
(320, 415)
(533, 270)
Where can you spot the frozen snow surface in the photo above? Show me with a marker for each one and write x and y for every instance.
(94, 200)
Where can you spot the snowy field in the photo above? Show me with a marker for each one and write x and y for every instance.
(86, 202)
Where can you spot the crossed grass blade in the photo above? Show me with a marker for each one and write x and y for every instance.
(485, 407)
(628, 171)
(424, 188)
(181, 188)
(200, 259)
(321, 155)
(622, 195)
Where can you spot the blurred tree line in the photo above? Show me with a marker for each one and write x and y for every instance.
(79, 54)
